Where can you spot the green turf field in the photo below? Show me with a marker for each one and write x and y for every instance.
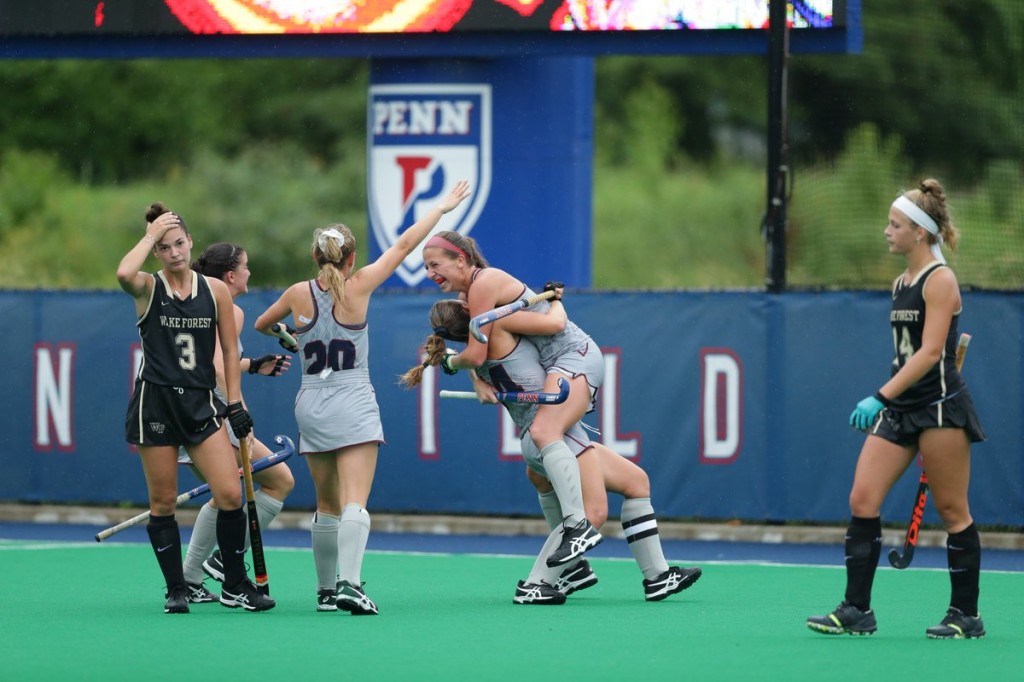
(91, 612)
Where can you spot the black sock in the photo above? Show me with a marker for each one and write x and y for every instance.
(963, 552)
(863, 547)
(166, 541)
(231, 540)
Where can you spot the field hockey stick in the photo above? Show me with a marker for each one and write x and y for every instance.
(504, 311)
(259, 564)
(258, 465)
(539, 397)
(903, 560)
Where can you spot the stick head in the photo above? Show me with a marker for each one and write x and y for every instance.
(563, 392)
(898, 561)
(285, 442)
(474, 329)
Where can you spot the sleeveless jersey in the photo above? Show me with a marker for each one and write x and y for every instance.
(907, 318)
(518, 371)
(332, 353)
(179, 338)
(552, 347)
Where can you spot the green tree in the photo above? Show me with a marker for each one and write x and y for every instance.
(944, 77)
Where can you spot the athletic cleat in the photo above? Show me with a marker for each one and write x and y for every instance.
(177, 599)
(957, 625)
(214, 567)
(351, 598)
(326, 600)
(847, 619)
(575, 541)
(537, 593)
(675, 579)
(198, 594)
(576, 578)
(245, 595)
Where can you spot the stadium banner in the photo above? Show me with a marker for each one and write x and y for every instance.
(431, 123)
(735, 403)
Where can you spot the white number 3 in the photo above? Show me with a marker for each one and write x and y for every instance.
(187, 343)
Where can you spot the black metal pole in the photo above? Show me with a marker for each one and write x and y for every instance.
(775, 217)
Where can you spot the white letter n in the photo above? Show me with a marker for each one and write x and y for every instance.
(53, 404)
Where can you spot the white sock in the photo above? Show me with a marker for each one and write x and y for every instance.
(201, 544)
(641, 531)
(267, 509)
(324, 529)
(552, 509)
(564, 473)
(352, 537)
(541, 572)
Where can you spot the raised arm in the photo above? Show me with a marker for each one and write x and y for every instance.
(129, 272)
(372, 275)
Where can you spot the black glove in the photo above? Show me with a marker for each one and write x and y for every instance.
(256, 363)
(284, 344)
(241, 422)
(555, 287)
(446, 363)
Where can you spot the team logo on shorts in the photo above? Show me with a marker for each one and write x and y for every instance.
(424, 139)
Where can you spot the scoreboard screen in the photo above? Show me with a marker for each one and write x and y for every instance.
(609, 26)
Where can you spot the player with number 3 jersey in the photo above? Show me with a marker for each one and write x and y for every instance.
(181, 317)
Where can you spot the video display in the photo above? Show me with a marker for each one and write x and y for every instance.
(275, 17)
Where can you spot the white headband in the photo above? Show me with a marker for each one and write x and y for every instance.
(332, 233)
(920, 217)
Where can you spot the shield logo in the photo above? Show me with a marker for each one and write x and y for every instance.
(423, 139)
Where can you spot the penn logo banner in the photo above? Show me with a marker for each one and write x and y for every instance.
(423, 139)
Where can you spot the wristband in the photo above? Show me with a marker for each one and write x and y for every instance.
(446, 365)
(882, 399)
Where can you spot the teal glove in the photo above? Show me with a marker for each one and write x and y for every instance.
(866, 412)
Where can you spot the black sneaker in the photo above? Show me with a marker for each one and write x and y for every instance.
(957, 625)
(675, 579)
(537, 593)
(575, 541)
(326, 600)
(177, 599)
(245, 595)
(198, 594)
(351, 598)
(846, 619)
(576, 578)
(214, 567)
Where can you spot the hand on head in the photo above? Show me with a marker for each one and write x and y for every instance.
(156, 230)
